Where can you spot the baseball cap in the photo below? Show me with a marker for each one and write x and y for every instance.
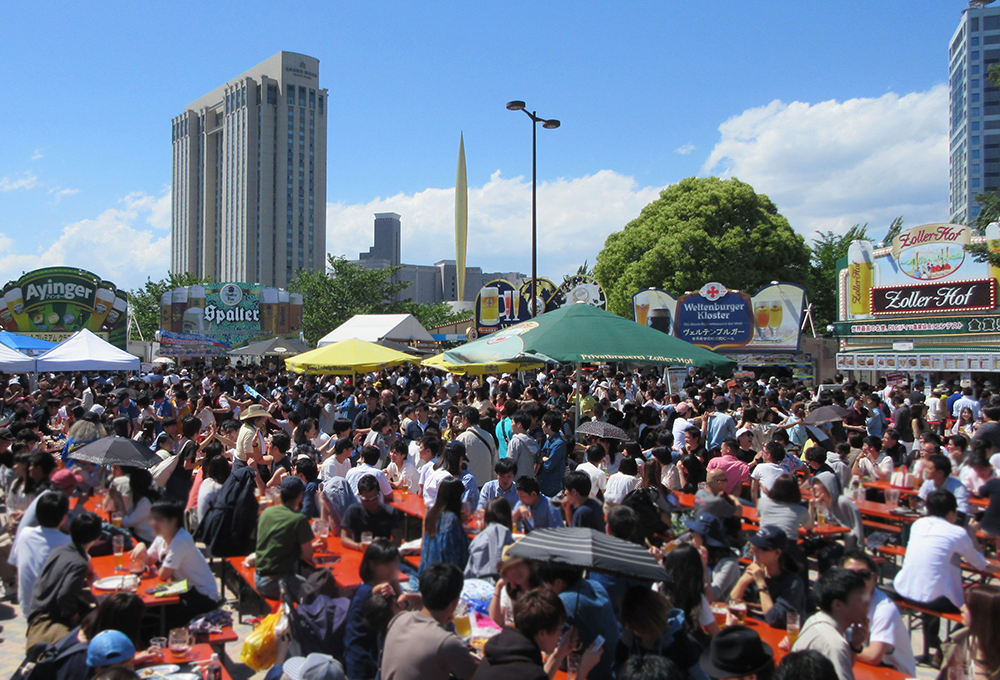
(459, 448)
(292, 485)
(64, 479)
(709, 527)
(742, 431)
(109, 647)
(683, 408)
(313, 667)
(769, 537)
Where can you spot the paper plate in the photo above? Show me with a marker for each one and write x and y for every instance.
(111, 583)
(184, 676)
(155, 671)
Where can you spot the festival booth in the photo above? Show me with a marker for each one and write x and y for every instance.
(25, 344)
(389, 330)
(12, 361)
(84, 351)
(921, 307)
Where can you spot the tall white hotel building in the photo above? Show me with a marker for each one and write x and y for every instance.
(248, 189)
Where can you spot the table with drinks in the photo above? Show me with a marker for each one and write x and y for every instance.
(749, 513)
(117, 572)
(178, 655)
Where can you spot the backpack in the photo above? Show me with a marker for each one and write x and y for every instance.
(643, 502)
(44, 660)
(337, 496)
(229, 525)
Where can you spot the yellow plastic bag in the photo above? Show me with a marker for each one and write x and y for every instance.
(260, 649)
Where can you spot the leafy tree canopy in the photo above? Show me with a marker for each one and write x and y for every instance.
(701, 229)
(826, 249)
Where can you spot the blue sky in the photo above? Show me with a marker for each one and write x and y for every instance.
(642, 90)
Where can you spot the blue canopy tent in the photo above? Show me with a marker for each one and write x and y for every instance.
(26, 344)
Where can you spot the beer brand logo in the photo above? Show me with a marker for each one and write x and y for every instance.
(929, 234)
(713, 291)
(55, 290)
(935, 297)
(231, 294)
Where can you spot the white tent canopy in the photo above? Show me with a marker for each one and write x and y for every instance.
(12, 361)
(84, 351)
(397, 328)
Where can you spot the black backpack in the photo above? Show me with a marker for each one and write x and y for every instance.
(643, 502)
(44, 660)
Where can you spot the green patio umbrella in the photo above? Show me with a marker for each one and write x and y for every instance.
(581, 333)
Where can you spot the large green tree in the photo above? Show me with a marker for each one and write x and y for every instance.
(145, 301)
(330, 298)
(701, 229)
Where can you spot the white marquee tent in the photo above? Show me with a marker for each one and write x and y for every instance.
(84, 351)
(385, 329)
(12, 361)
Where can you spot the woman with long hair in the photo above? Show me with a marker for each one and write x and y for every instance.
(692, 473)
(380, 436)
(686, 584)
(918, 415)
(965, 424)
(144, 494)
(651, 625)
(977, 648)
(444, 536)
(302, 436)
(652, 478)
(487, 547)
(379, 572)
(517, 577)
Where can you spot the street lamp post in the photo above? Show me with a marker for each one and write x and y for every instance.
(548, 124)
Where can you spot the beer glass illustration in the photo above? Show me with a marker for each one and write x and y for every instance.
(507, 304)
(762, 317)
(489, 302)
(517, 305)
(774, 318)
(642, 308)
(269, 311)
(103, 302)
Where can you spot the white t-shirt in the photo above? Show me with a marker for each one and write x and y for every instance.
(355, 475)
(333, 468)
(705, 615)
(766, 473)
(883, 463)
(432, 482)
(619, 486)
(409, 472)
(598, 480)
(887, 626)
(208, 490)
(187, 562)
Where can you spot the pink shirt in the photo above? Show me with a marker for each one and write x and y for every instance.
(737, 472)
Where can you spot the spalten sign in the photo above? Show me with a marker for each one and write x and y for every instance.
(952, 296)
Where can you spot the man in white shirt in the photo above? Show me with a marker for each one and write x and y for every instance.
(937, 477)
(339, 464)
(369, 461)
(401, 469)
(931, 575)
(35, 543)
(968, 401)
(681, 423)
(872, 462)
(598, 480)
(888, 636)
(764, 474)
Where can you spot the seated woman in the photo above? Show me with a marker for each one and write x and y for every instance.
(782, 507)
(517, 577)
(444, 535)
(178, 559)
(144, 494)
(652, 626)
(487, 548)
(771, 580)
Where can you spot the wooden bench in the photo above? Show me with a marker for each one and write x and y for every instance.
(879, 526)
(247, 575)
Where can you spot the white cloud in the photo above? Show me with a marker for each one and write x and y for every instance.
(59, 192)
(686, 149)
(575, 216)
(37, 155)
(833, 164)
(26, 181)
(116, 244)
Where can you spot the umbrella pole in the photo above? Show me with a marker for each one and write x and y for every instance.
(666, 376)
(579, 400)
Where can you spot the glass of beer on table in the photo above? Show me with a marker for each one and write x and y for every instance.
(738, 608)
(118, 546)
(116, 519)
(792, 627)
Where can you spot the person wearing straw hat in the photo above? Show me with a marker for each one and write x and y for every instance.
(250, 444)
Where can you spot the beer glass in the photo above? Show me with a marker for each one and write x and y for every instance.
(366, 539)
(738, 608)
(180, 643)
(761, 317)
(116, 519)
(118, 546)
(774, 317)
(642, 309)
(489, 301)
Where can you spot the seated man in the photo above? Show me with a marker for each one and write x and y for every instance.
(714, 500)
(61, 596)
(37, 542)
(109, 649)
(873, 463)
(533, 510)
(421, 647)
(371, 515)
(587, 512)
(283, 538)
(888, 636)
(370, 456)
(737, 472)
(588, 609)
(843, 606)
(931, 576)
(502, 486)
(937, 477)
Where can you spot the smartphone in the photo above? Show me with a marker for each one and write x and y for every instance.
(598, 642)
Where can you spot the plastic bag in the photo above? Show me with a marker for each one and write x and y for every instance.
(260, 649)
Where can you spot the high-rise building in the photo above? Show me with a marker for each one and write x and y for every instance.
(248, 189)
(436, 282)
(974, 110)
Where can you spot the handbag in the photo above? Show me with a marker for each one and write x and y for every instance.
(161, 471)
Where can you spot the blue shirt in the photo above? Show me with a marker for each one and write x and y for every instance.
(504, 434)
(492, 490)
(543, 515)
(719, 426)
(360, 642)
(449, 544)
(553, 469)
(875, 424)
(589, 515)
(588, 608)
(471, 493)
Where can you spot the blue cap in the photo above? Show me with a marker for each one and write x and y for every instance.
(108, 648)
(769, 537)
(710, 528)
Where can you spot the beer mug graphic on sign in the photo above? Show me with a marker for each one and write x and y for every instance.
(489, 300)
(642, 309)
(104, 300)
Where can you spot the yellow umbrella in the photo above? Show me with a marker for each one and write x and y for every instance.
(438, 361)
(347, 357)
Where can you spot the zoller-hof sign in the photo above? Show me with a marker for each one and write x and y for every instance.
(953, 296)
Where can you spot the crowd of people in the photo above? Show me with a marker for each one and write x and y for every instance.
(497, 457)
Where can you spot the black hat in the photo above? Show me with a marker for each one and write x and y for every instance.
(6, 434)
(459, 448)
(734, 652)
(293, 485)
(769, 537)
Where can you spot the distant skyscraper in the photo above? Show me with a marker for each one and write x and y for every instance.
(974, 110)
(248, 189)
